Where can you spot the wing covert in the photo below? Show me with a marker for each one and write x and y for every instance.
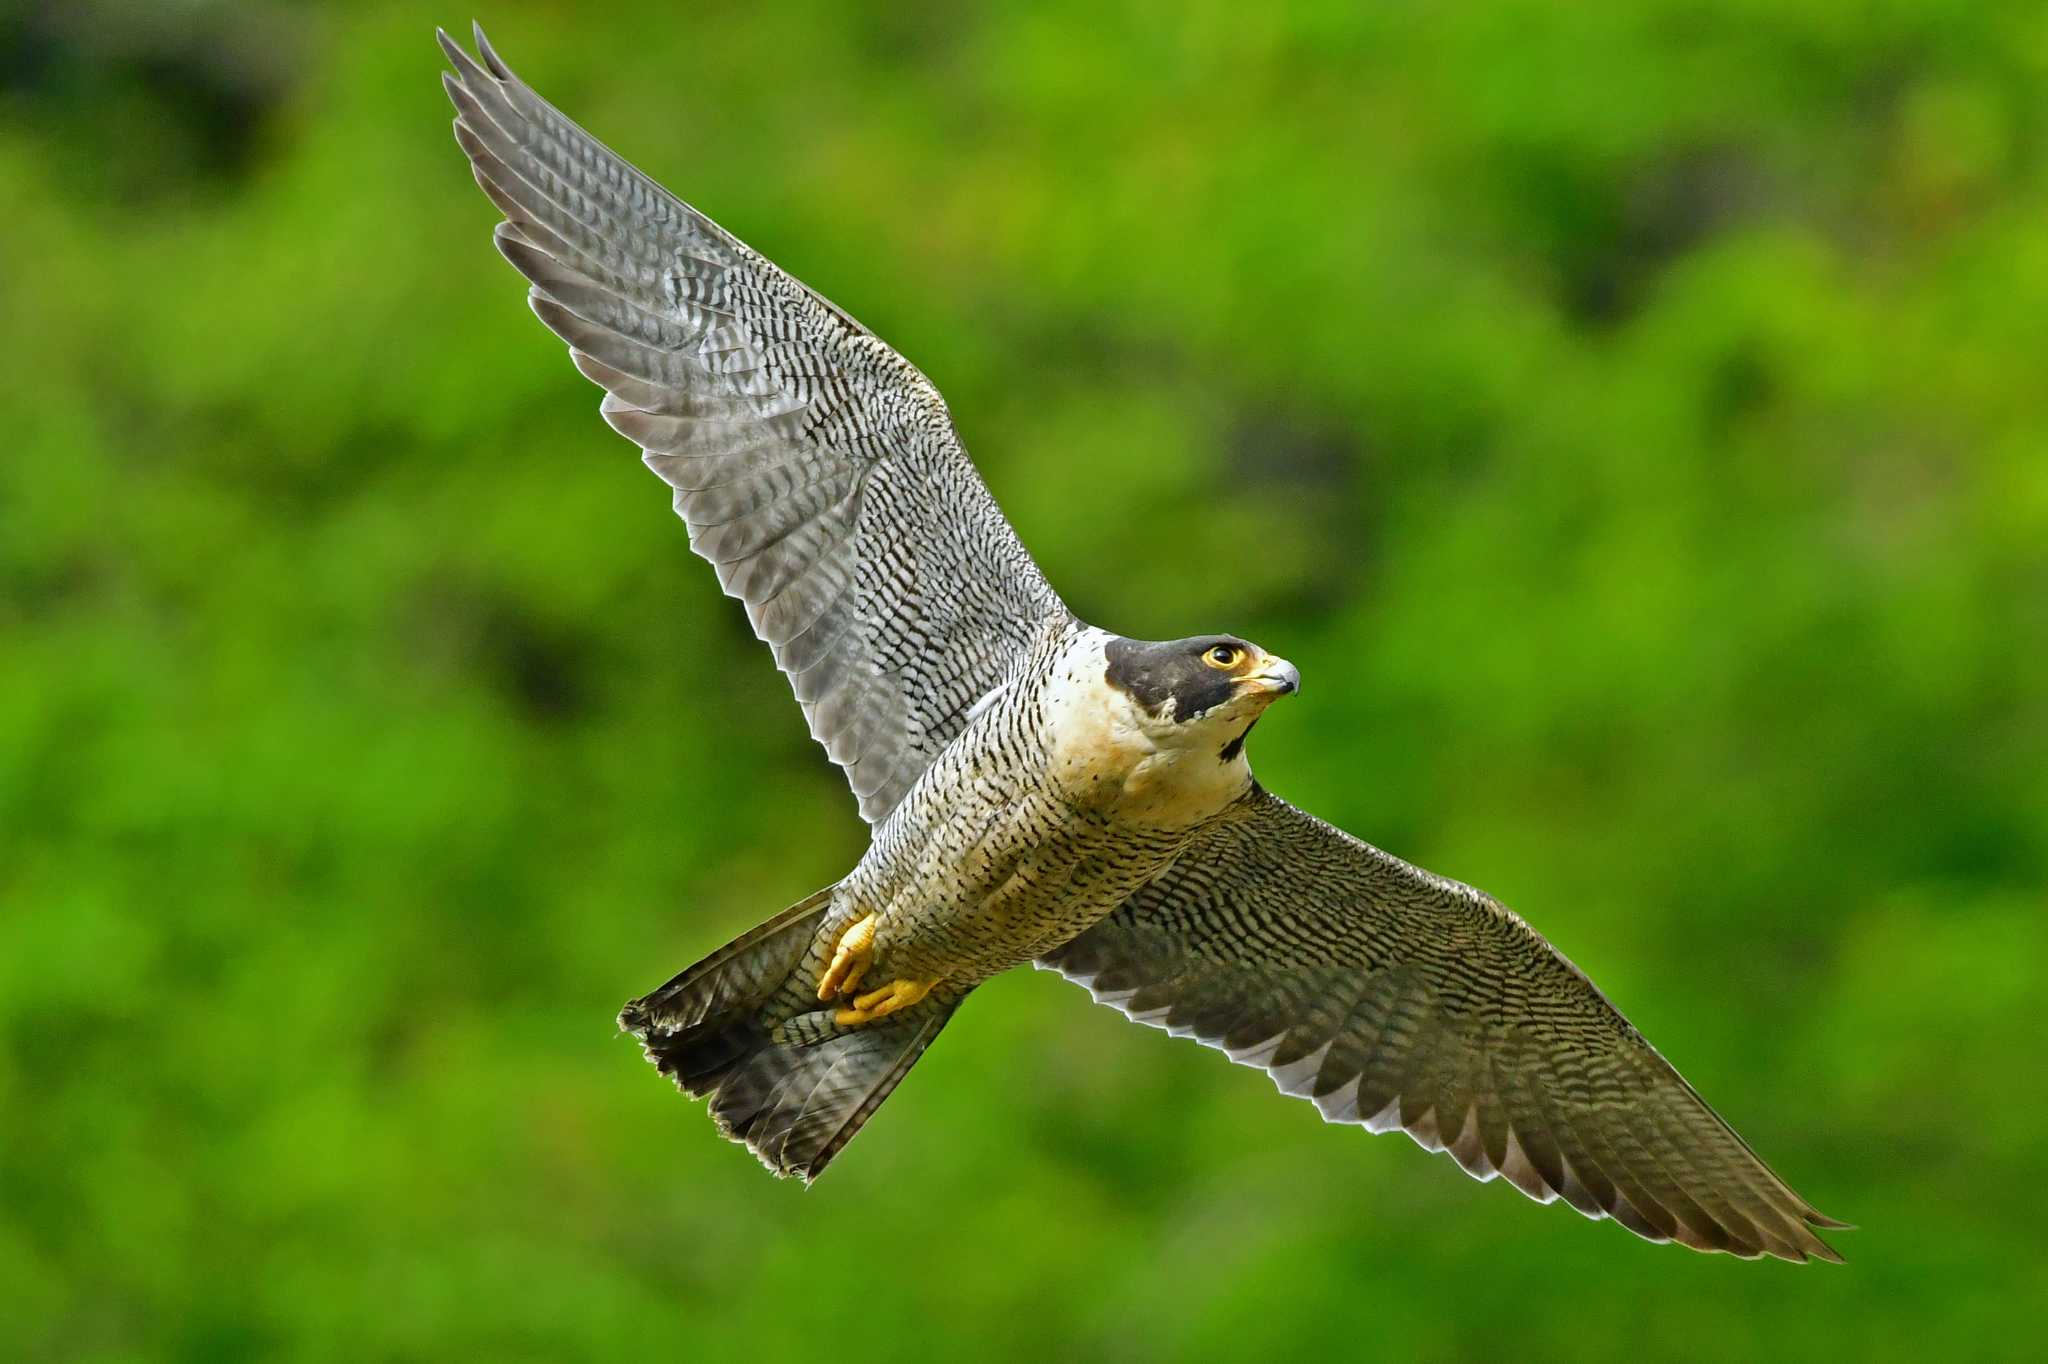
(1397, 999)
(816, 469)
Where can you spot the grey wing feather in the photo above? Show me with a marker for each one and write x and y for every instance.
(1397, 999)
(817, 470)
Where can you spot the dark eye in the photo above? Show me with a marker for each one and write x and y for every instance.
(1223, 656)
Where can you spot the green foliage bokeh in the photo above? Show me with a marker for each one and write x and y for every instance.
(1630, 418)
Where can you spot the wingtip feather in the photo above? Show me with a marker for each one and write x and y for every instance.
(490, 55)
(466, 68)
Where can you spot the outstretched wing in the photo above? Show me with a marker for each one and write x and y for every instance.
(1394, 998)
(817, 469)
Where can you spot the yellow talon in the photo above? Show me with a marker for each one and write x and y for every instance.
(897, 994)
(850, 959)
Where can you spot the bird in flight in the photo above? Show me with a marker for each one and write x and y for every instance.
(1041, 790)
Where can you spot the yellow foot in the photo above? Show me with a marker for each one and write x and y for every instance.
(849, 959)
(897, 994)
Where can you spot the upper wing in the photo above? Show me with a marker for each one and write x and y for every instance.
(1395, 998)
(816, 468)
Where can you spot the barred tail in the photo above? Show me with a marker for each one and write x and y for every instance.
(795, 1095)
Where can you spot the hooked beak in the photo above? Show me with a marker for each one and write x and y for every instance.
(1277, 676)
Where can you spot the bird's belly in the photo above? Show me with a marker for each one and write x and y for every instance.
(996, 891)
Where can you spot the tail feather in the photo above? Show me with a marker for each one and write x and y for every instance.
(796, 1107)
(791, 1086)
(739, 977)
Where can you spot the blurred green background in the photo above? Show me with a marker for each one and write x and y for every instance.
(1631, 418)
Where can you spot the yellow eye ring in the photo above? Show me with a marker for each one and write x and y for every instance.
(1223, 657)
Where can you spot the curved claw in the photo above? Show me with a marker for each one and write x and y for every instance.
(850, 959)
(897, 994)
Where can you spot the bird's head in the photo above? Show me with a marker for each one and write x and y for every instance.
(1208, 686)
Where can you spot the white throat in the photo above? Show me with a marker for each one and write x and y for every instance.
(1110, 755)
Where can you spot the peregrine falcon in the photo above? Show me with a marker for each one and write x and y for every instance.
(1040, 790)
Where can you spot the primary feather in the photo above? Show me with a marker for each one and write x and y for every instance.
(817, 470)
